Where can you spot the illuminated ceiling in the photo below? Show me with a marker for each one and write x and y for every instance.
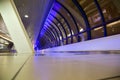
(36, 10)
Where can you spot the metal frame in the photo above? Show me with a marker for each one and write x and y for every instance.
(102, 17)
(48, 40)
(54, 33)
(48, 33)
(84, 17)
(47, 11)
(45, 40)
(61, 26)
(57, 28)
(66, 23)
(72, 17)
(52, 39)
(43, 22)
(52, 27)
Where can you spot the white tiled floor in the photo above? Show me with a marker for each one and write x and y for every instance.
(61, 66)
(9, 65)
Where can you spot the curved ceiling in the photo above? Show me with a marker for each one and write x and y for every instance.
(33, 13)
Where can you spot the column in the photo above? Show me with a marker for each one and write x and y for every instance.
(15, 27)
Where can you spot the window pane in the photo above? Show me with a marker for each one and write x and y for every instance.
(110, 8)
(91, 12)
(113, 28)
(75, 12)
(97, 32)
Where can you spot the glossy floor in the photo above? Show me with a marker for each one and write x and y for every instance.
(61, 66)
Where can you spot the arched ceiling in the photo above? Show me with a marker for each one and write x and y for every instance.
(33, 13)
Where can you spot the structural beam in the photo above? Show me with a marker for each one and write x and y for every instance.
(15, 27)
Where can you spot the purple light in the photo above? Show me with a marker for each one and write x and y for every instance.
(57, 6)
(47, 22)
(51, 18)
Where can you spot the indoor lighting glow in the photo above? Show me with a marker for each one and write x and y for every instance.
(26, 16)
(69, 35)
(81, 29)
(60, 38)
(113, 23)
(97, 28)
(72, 32)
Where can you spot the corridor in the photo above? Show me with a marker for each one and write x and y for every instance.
(59, 39)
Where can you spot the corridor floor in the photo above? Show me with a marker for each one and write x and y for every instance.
(61, 66)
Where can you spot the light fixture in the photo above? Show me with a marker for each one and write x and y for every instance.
(81, 29)
(26, 16)
(97, 28)
(114, 23)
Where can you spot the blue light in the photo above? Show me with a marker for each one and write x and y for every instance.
(57, 6)
(47, 22)
(51, 18)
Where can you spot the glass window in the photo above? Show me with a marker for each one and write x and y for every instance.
(91, 11)
(61, 20)
(60, 27)
(110, 8)
(113, 28)
(67, 14)
(97, 33)
(75, 12)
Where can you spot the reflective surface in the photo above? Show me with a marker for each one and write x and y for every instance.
(62, 66)
(10, 65)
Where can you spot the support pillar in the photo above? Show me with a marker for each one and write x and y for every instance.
(15, 27)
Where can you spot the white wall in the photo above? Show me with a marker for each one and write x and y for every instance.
(15, 27)
(105, 43)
